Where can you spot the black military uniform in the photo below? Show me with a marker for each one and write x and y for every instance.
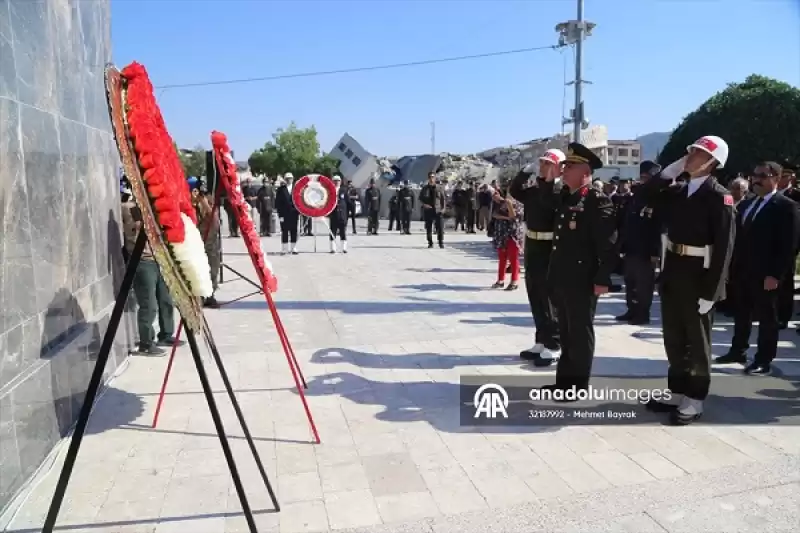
(583, 257)
(698, 245)
(372, 204)
(266, 204)
(405, 201)
(540, 218)
(472, 207)
(459, 200)
(432, 195)
(337, 219)
(352, 193)
(640, 238)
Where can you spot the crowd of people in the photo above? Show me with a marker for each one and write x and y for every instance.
(676, 231)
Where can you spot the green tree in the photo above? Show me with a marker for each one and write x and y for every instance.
(294, 150)
(759, 119)
(193, 161)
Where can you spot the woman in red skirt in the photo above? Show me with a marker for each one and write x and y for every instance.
(508, 224)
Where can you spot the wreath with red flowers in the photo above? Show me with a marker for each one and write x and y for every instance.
(164, 179)
(314, 185)
(227, 170)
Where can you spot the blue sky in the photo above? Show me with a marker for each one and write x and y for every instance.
(651, 62)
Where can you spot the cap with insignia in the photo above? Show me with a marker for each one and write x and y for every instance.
(650, 168)
(578, 153)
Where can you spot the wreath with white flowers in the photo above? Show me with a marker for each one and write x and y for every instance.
(165, 180)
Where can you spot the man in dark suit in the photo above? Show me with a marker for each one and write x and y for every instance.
(288, 216)
(766, 239)
(787, 187)
(338, 217)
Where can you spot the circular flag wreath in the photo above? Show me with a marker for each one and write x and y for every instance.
(314, 195)
(227, 168)
(165, 181)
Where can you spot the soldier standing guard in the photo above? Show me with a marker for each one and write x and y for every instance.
(700, 231)
(372, 203)
(540, 220)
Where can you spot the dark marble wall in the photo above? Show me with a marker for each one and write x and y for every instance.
(59, 223)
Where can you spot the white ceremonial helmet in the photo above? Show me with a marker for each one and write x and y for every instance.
(553, 155)
(713, 146)
(288, 176)
(337, 177)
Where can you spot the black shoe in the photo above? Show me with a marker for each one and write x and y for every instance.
(615, 288)
(731, 357)
(542, 362)
(660, 407)
(430, 245)
(295, 252)
(624, 317)
(211, 303)
(639, 321)
(151, 350)
(498, 285)
(757, 369)
(441, 245)
(512, 286)
(783, 325)
(169, 341)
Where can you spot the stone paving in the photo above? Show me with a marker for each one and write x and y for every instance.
(383, 334)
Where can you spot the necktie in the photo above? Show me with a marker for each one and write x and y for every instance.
(753, 210)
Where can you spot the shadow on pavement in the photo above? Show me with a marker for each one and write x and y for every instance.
(430, 287)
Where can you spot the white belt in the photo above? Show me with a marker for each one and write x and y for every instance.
(686, 251)
(540, 235)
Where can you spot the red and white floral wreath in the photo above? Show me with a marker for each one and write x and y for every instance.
(165, 180)
(227, 168)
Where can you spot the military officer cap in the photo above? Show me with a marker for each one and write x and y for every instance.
(578, 153)
(650, 168)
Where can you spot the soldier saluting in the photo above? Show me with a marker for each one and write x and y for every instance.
(584, 254)
(540, 219)
(700, 232)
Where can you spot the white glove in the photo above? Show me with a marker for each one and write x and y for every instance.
(704, 306)
(674, 169)
(530, 168)
(280, 220)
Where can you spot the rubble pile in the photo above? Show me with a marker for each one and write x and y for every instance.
(483, 167)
